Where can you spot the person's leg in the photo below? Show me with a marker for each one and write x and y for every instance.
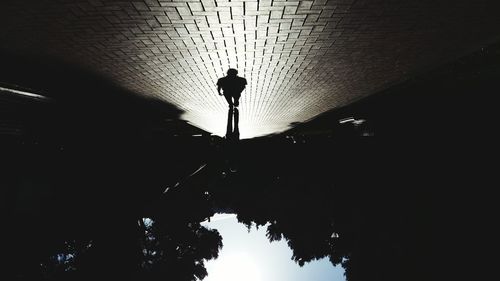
(236, 131)
(229, 131)
(229, 100)
(236, 100)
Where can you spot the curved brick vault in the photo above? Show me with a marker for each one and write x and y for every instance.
(301, 58)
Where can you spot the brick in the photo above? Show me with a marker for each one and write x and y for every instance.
(305, 5)
(277, 14)
(290, 10)
(311, 56)
(140, 6)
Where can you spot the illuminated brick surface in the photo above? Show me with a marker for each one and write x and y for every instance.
(301, 58)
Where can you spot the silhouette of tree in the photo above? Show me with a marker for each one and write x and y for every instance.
(179, 251)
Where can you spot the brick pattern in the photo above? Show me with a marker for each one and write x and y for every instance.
(301, 58)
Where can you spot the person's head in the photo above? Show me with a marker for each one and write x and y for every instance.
(232, 72)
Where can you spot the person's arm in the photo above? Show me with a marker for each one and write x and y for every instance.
(244, 84)
(219, 87)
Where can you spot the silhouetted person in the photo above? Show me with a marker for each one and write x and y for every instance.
(232, 85)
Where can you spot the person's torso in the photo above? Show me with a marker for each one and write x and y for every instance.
(232, 85)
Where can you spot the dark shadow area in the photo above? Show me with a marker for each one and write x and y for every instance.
(437, 131)
(67, 160)
(114, 191)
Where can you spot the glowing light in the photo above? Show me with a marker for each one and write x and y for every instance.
(345, 120)
(218, 217)
(238, 266)
(248, 254)
(23, 93)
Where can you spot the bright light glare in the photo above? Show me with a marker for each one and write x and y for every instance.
(248, 254)
(216, 123)
(345, 120)
(23, 93)
(239, 266)
(218, 217)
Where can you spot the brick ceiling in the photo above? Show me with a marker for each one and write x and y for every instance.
(301, 58)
